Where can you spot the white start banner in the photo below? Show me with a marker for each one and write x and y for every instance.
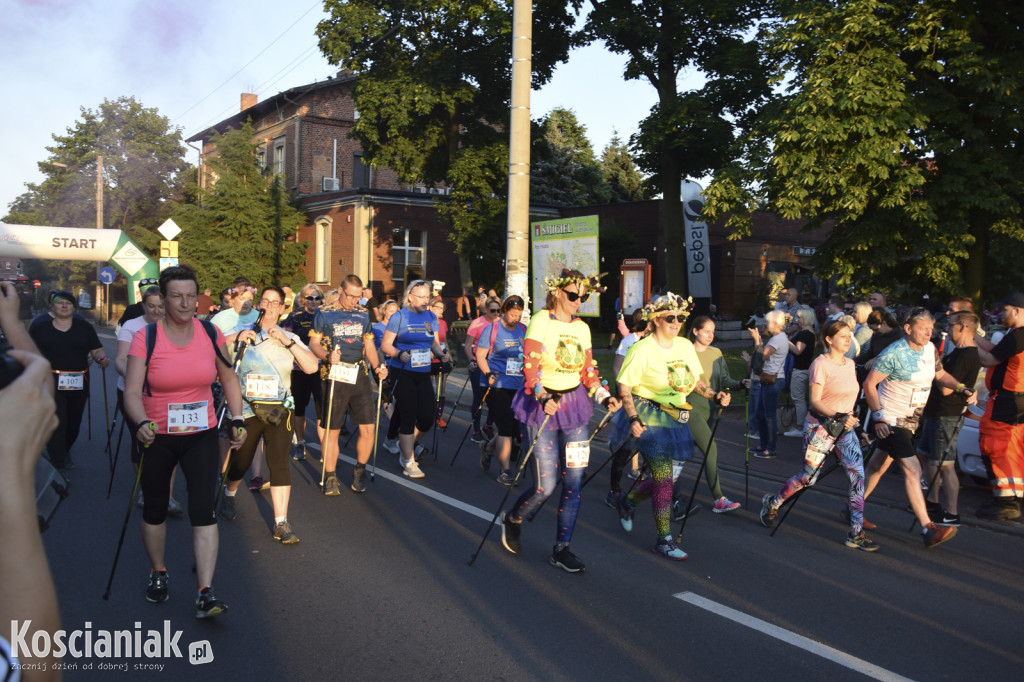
(698, 254)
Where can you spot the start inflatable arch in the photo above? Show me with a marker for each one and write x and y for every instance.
(79, 243)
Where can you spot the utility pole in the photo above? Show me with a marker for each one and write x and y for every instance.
(100, 299)
(517, 249)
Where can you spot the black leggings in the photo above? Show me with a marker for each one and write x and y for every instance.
(70, 407)
(199, 457)
(277, 439)
(414, 402)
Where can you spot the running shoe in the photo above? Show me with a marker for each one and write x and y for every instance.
(410, 468)
(174, 508)
(485, 456)
(936, 535)
(284, 534)
(419, 452)
(227, 509)
(331, 485)
(506, 478)
(768, 512)
(391, 446)
(359, 479)
(949, 519)
(724, 504)
(748, 434)
(865, 524)
(764, 455)
(667, 548)
(794, 433)
(625, 512)
(860, 542)
(566, 560)
(510, 534)
(256, 484)
(678, 514)
(156, 591)
(442, 423)
(478, 437)
(207, 605)
(609, 499)
(1000, 509)
(298, 452)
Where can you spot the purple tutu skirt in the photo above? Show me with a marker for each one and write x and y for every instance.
(574, 410)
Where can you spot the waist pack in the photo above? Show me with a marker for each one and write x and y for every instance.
(768, 379)
(271, 414)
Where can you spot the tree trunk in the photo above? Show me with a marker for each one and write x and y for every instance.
(974, 268)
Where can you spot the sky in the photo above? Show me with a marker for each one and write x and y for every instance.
(191, 61)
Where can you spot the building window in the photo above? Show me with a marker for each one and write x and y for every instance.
(362, 175)
(261, 157)
(408, 249)
(279, 158)
(323, 250)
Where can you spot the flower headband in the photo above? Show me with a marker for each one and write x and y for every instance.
(241, 289)
(592, 283)
(666, 303)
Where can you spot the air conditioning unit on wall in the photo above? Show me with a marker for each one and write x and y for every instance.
(331, 185)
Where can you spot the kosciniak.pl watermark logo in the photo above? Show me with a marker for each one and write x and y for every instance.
(28, 645)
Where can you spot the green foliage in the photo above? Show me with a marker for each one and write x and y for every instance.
(246, 224)
(143, 163)
(902, 122)
(563, 169)
(620, 172)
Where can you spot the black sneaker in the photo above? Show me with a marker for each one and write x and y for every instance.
(331, 485)
(609, 499)
(1000, 509)
(510, 534)
(227, 509)
(284, 534)
(949, 519)
(860, 542)
(156, 591)
(567, 561)
(207, 605)
(477, 437)
(768, 512)
(359, 478)
(678, 514)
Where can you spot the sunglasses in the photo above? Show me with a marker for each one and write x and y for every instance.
(493, 310)
(314, 298)
(671, 319)
(573, 296)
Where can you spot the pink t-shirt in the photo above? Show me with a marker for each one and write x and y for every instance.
(839, 385)
(475, 327)
(180, 379)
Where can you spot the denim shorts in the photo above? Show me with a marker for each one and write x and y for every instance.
(936, 435)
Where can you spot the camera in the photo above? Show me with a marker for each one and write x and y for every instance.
(10, 369)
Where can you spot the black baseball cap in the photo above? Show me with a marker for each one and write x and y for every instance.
(1016, 299)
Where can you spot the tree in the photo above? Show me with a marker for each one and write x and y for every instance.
(687, 134)
(563, 169)
(246, 223)
(625, 181)
(143, 170)
(433, 89)
(902, 122)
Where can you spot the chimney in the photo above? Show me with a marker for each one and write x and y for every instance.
(248, 100)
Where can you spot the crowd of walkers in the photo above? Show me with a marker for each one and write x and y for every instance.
(224, 397)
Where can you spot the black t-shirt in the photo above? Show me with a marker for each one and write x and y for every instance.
(66, 351)
(1006, 380)
(963, 364)
(803, 360)
(131, 312)
(300, 324)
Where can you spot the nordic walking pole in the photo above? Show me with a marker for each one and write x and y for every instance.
(117, 453)
(437, 406)
(468, 428)
(746, 451)
(106, 411)
(127, 514)
(445, 429)
(519, 473)
(327, 433)
(376, 426)
(88, 400)
(224, 475)
(700, 472)
(942, 462)
(792, 500)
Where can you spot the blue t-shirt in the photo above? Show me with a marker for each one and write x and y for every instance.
(506, 357)
(378, 335)
(346, 329)
(414, 332)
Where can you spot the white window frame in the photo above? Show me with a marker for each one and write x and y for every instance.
(279, 157)
(398, 274)
(322, 255)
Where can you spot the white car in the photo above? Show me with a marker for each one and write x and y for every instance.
(968, 453)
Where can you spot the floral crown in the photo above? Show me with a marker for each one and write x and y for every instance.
(241, 289)
(592, 283)
(667, 302)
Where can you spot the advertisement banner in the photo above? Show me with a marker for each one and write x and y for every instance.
(698, 253)
(565, 243)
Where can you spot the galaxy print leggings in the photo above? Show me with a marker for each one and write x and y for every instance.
(848, 449)
(548, 467)
(659, 488)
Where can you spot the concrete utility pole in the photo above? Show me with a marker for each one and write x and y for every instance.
(517, 249)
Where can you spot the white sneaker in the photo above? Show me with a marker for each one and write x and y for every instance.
(174, 508)
(391, 445)
(410, 468)
(794, 433)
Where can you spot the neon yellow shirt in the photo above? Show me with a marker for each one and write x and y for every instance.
(664, 375)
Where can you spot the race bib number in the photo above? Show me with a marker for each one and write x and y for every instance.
(419, 357)
(344, 372)
(261, 386)
(818, 447)
(71, 382)
(577, 455)
(188, 417)
(514, 368)
(919, 397)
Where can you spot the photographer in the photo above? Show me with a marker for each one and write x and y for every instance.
(10, 326)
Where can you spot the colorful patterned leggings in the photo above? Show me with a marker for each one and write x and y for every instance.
(548, 467)
(659, 488)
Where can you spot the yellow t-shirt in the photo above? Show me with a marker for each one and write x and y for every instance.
(664, 375)
(563, 351)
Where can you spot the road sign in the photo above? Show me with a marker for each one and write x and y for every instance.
(169, 229)
(107, 274)
(167, 263)
(168, 249)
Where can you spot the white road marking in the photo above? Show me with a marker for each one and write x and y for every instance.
(792, 638)
(403, 481)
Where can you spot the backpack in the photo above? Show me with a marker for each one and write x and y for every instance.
(211, 331)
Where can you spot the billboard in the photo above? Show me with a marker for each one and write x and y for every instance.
(564, 243)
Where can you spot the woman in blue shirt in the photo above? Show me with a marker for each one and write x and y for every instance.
(499, 354)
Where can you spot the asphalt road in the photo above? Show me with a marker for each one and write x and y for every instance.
(379, 587)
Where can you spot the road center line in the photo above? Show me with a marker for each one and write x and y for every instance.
(402, 481)
(792, 638)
